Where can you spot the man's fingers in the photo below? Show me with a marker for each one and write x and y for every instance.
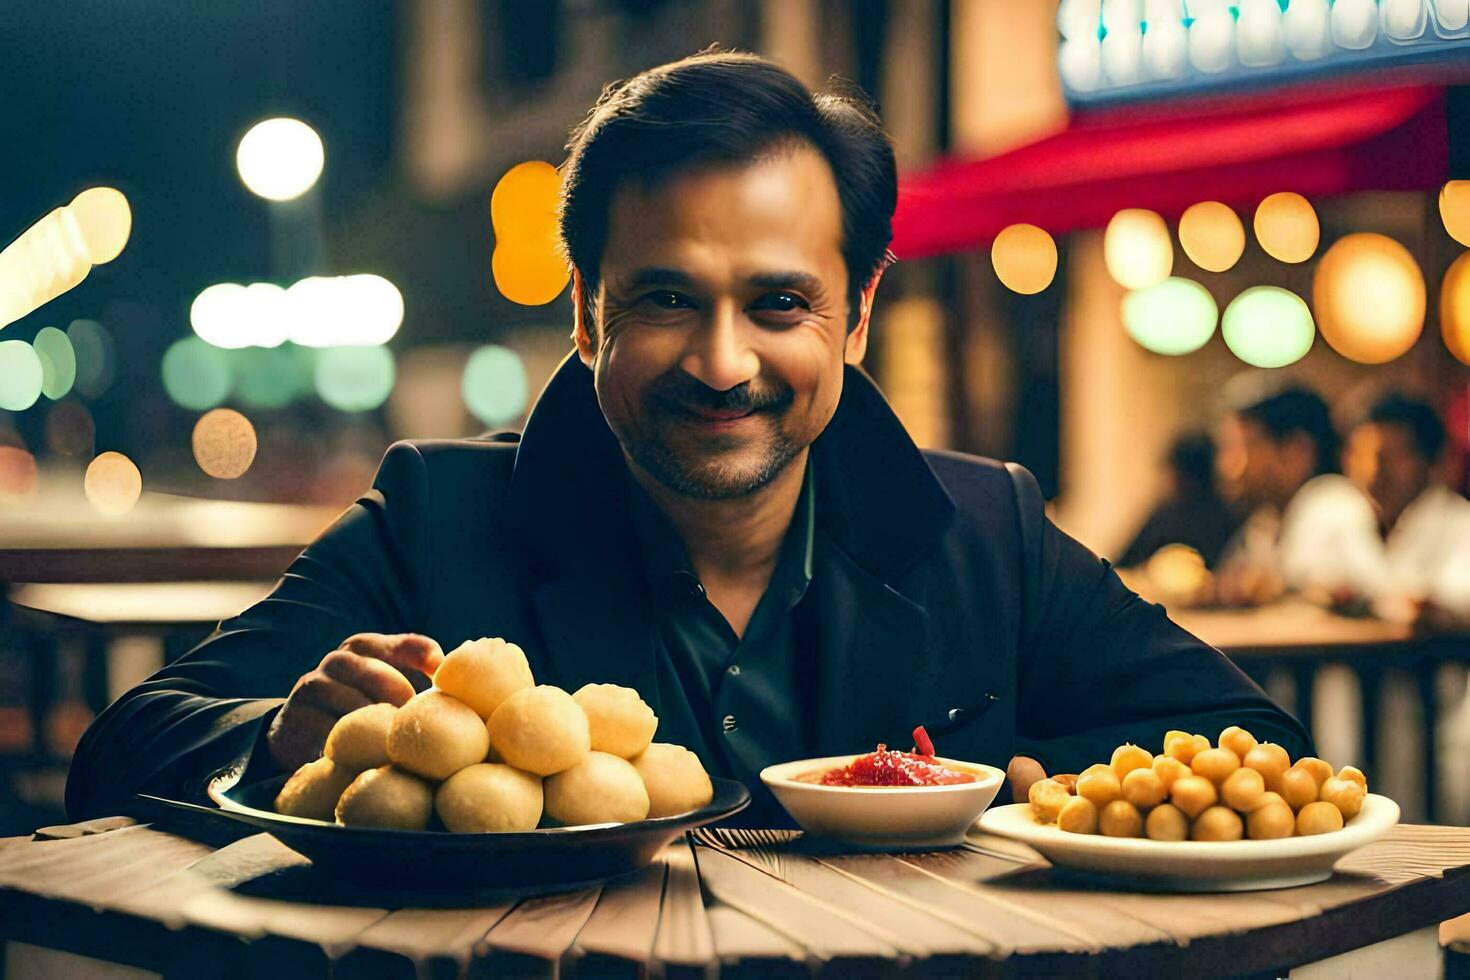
(406, 651)
(1021, 773)
(335, 697)
(298, 733)
(378, 680)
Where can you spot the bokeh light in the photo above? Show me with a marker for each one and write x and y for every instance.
(527, 262)
(1176, 316)
(224, 443)
(1287, 228)
(1369, 297)
(17, 474)
(1212, 235)
(1025, 258)
(93, 347)
(1268, 327)
(1137, 248)
(1454, 210)
(105, 221)
(113, 484)
(280, 159)
(271, 377)
(70, 430)
(531, 276)
(58, 362)
(20, 375)
(354, 379)
(495, 385)
(196, 375)
(343, 311)
(1454, 308)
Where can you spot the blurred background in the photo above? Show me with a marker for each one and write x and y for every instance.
(256, 243)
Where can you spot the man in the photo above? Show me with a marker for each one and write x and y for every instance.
(709, 503)
(1191, 513)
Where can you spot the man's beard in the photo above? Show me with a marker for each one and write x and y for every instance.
(667, 405)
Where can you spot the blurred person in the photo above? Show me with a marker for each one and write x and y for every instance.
(1192, 512)
(710, 503)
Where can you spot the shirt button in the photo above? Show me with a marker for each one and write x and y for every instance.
(729, 723)
(734, 670)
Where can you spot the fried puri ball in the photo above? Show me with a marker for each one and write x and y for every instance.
(1193, 794)
(1243, 789)
(359, 740)
(1318, 818)
(1298, 787)
(1237, 740)
(1218, 823)
(1271, 820)
(620, 722)
(1120, 819)
(482, 673)
(1344, 794)
(674, 778)
(1047, 797)
(435, 735)
(387, 798)
(540, 729)
(1168, 770)
(602, 788)
(1143, 788)
(1101, 786)
(1166, 822)
(1184, 747)
(1129, 757)
(489, 798)
(1319, 769)
(1271, 761)
(1355, 775)
(1078, 816)
(313, 790)
(1216, 765)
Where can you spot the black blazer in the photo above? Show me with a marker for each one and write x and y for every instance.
(918, 592)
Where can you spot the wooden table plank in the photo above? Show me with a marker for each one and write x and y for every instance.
(745, 947)
(618, 937)
(420, 943)
(684, 940)
(535, 935)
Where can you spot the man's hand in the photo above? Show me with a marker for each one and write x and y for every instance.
(1021, 773)
(366, 669)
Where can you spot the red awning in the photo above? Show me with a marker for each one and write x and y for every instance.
(1237, 152)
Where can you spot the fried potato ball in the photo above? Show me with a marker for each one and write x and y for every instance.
(1243, 789)
(1185, 747)
(1268, 798)
(1353, 775)
(359, 740)
(1318, 818)
(1120, 819)
(619, 720)
(1129, 757)
(540, 729)
(1101, 787)
(313, 790)
(1298, 787)
(489, 798)
(1095, 768)
(1319, 769)
(1144, 789)
(482, 673)
(1047, 797)
(1168, 770)
(436, 735)
(602, 788)
(675, 779)
(1068, 781)
(1079, 816)
(387, 798)
(1217, 823)
(1344, 794)
(1270, 821)
(1166, 822)
(1216, 765)
(1237, 740)
(1271, 761)
(1193, 794)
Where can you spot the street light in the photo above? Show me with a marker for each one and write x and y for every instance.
(280, 159)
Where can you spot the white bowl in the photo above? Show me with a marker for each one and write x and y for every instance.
(900, 817)
(1196, 866)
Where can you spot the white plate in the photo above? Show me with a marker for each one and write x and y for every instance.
(1196, 866)
(886, 817)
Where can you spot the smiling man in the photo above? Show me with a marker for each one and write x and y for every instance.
(710, 503)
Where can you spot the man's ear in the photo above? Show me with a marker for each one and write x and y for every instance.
(582, 331)
(856, 346)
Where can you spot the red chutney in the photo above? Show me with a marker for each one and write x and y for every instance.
(885, 768)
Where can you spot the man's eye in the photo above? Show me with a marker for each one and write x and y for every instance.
(666, 300)
(781, 303)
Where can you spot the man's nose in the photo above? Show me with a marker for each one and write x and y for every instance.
(720, 354)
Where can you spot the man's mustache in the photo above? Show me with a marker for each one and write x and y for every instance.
(688, 393)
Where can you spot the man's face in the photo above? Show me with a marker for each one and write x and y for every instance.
(722, 309)
(1246, 461)
(1385, 463)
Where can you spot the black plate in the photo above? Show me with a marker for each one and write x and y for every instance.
(433, 859)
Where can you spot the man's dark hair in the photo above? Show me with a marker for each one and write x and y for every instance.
(721, 107)
(1418, 417)
(1192, 457)
(1297, 410)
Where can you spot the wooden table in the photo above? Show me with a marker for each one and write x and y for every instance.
(729, 902)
